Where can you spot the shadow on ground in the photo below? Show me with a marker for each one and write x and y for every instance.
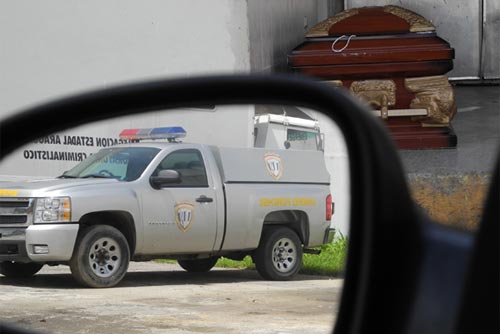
(150, 278)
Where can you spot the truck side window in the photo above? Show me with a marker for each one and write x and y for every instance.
(302, 140)
(189, 164)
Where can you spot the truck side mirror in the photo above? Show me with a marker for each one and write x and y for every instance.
(164, 177)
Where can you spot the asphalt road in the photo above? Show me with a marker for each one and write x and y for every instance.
(161, 298)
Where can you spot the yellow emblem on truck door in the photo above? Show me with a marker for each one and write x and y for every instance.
(184, 215)
(274, 165)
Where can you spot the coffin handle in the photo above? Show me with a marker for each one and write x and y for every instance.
(346, 44)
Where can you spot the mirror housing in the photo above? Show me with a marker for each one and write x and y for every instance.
(391, 279)
(165, 177)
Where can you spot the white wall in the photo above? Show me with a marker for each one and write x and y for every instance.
(55, 47)
(278, 26)
(39, 160)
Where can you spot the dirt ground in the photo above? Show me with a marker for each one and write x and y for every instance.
(161, 298)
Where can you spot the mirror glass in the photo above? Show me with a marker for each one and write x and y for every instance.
(449, 173)
(257, 186)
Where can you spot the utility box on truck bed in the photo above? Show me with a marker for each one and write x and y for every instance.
(190, 202)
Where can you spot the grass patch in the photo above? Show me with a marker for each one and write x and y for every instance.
(329, 263)
(165, 261)
(246, 263)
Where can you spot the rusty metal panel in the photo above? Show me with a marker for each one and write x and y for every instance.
(458, 22)
(491, 40)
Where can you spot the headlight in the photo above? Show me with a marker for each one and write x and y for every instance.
(53, 210)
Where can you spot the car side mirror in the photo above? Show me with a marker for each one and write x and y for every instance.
(165, 177)
(404, 273)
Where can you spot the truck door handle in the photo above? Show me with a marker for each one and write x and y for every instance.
(204, 199)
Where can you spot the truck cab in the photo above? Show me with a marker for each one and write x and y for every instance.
(287, 132)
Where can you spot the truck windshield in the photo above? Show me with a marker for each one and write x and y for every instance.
(121, 163)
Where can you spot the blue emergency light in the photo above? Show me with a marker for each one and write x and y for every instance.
(170, 133)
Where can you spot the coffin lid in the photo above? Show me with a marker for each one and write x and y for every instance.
(387, 20)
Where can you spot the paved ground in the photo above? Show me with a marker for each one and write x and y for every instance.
(451, 184)
(160, 298)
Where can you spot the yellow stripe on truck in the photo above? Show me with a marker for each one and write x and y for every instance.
(287, 201)
(8, 192)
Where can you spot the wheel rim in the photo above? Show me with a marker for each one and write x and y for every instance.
(284, 255)
(105, 257)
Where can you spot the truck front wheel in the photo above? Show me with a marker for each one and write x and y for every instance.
(19, 270)
(279, 255)
(198, 265)
(101, 257)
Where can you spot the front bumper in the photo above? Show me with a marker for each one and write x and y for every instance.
(17, 244)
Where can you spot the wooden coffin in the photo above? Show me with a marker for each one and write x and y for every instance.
(393, 60)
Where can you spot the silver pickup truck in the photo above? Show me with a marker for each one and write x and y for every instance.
(149, 200)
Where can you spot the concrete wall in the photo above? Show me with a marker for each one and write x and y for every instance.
(58, 47)
(491, 37)
(42, 159)
(55, 47)
(276, 27)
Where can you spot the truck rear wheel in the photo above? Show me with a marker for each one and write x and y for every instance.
(101, 257)
(198, 265)
(279, 255)
(19, 270)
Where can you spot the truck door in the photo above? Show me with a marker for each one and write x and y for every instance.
(181, 217)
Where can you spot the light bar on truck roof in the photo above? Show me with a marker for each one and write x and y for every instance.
(171, 133)
(286, 120)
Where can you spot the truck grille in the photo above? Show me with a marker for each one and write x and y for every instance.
(14, 204)
(6, 249)
(15, 211)
(13, 219)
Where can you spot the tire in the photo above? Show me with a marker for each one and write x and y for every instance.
(19, 270)
(279, 255)
(100, 258)
(199, 265)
